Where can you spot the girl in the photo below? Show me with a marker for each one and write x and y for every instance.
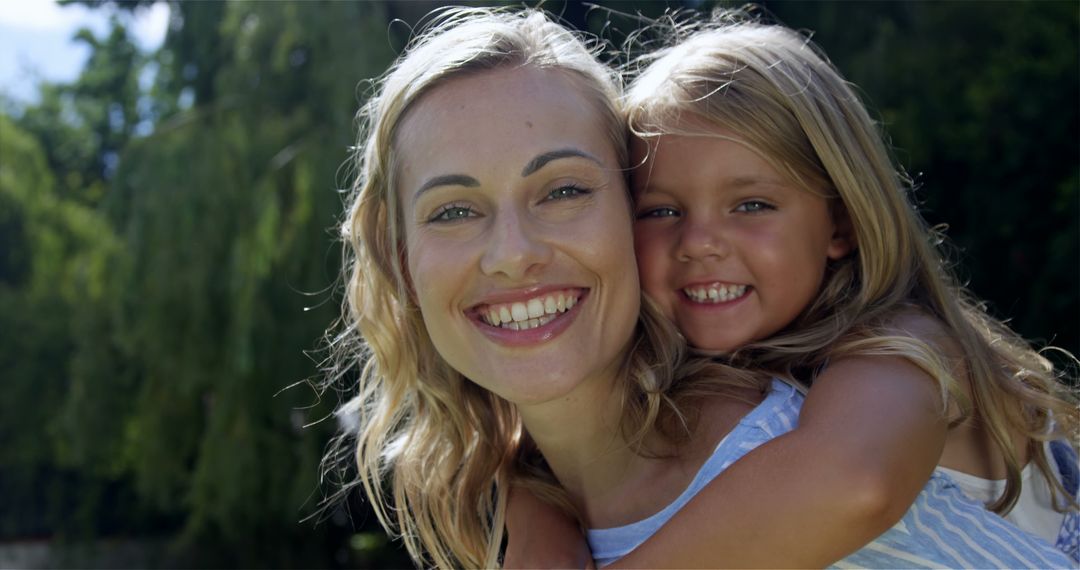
(775, 233)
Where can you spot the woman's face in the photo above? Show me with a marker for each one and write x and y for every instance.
(518, 233)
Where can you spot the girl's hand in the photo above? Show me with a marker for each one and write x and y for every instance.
(541, 536)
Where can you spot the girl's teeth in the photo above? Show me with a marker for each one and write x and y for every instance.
(718, 294)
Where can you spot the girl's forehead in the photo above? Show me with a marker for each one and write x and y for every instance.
(688, 136)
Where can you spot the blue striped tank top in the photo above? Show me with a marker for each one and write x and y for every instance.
(943, 527)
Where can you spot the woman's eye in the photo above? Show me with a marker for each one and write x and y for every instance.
(752, 206)
(661, 212)
(452, 213)
(563, 192)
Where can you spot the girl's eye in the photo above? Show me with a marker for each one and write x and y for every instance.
(661, 212)
(564, 192)
(752, 206)
(452, 213)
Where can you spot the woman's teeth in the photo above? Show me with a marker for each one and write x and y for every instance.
(530, 314)
(715, 294)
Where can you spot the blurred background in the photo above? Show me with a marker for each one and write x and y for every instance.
(168, 263)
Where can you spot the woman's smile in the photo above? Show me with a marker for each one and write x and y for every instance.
(530, 312)
(533, 319)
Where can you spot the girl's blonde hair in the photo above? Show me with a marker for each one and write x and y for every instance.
(447, 448)
(775, 90)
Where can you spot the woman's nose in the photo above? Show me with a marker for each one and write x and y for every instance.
(701, 239)
(515, 247)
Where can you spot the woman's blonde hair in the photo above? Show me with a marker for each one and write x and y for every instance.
(447, 448)
(776, 91)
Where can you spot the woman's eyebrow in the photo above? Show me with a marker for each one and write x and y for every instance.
(446, 180)
(535, 164)
(542, 159)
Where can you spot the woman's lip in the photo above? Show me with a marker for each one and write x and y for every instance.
(533, 336)
(523, 294)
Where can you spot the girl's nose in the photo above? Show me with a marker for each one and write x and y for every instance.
(701, 239)
(515, 247)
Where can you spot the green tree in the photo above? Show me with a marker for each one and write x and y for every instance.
(225, 210)
(83, 126)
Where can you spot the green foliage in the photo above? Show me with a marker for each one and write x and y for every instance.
(54, 297)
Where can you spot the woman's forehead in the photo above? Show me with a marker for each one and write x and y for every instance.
(498, 119)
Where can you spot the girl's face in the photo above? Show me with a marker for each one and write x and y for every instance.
(518, 233)
(729, 248)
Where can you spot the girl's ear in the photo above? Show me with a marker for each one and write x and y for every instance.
(843, 239)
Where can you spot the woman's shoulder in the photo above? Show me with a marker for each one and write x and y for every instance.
(754, 414)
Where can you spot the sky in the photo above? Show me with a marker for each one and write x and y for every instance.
(35, 40)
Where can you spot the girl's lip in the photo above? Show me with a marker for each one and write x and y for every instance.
(709, 283)
(686, 299)
(533, 336)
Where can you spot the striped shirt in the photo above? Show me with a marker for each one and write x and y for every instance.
(943, 527)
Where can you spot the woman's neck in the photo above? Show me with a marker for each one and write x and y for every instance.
(582, 441)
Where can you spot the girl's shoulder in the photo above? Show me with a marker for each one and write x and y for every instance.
(919, 337)
(913, 334)
(920, 324)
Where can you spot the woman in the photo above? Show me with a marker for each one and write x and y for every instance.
(493, 283)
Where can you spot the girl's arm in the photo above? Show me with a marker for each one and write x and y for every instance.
(869, 435)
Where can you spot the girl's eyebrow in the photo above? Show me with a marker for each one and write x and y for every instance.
(733, 183)
(746, 181)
